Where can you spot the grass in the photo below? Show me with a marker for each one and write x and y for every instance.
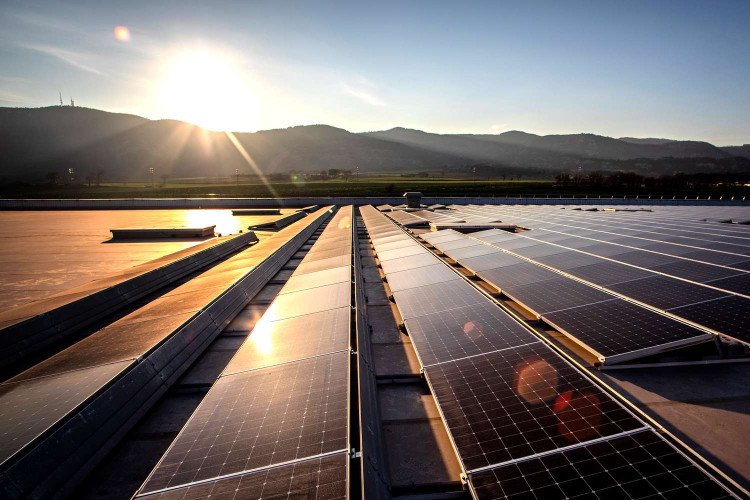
(375, 186)
(364, 186)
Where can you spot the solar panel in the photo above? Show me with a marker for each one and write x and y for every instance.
(456, 244)
(393, 245)
(644, 259)
(607, 250)
(665, 293)
(620, 329)
(339, 251)
(723, 247)
(324, 478)
(517, 402)
(473, 251)
(395, 235)
(411, 262)
(442, 236)
(555, 294)
(541, 250)
(715, 257)
(490, 261)
(738, 284)
(399, 253)
(323, 264)
(606, 273)
(30, 407)
(695, 271)
(259, 418)
(436, 298)
(519, 274)
(421, 276)
(567, 260)
(310, 301)
(639, 465)
(465, 331)
(729, 315)
(274, 342)
(320, 278)
(666, 248)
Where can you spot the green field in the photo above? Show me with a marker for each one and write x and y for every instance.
(374, 186)
(363, 186)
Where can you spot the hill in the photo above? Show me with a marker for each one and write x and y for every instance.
(125, 147)
(37, 141)
(743, 150)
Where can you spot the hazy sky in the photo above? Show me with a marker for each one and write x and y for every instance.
(664, 69)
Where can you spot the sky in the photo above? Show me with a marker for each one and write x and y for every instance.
(678, 70)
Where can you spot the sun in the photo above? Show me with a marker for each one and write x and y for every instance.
(207, 88)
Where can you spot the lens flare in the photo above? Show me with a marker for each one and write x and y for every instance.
(536, 381)
(471, 331)
(122, 33)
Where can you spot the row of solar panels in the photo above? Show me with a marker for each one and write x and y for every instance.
(612, 328)
(721, 311)
(524, 421)
(671, 226)
(276, 423)
(714, 296)
(31, 328)
(706, 246)
(66, 411)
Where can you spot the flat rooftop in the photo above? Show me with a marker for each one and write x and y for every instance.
(397, 361)
(44, 253)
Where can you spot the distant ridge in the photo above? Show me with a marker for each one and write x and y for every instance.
(121, 146)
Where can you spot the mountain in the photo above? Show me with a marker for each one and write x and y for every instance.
(647, 140)
(125, 147)
(608, 148)
(589, 151)
(743, 150)
(37, 141)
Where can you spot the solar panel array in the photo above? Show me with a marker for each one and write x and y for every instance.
(128, 359)
(699, 286)
(276, 423)
(614, 329)
(506, 398)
